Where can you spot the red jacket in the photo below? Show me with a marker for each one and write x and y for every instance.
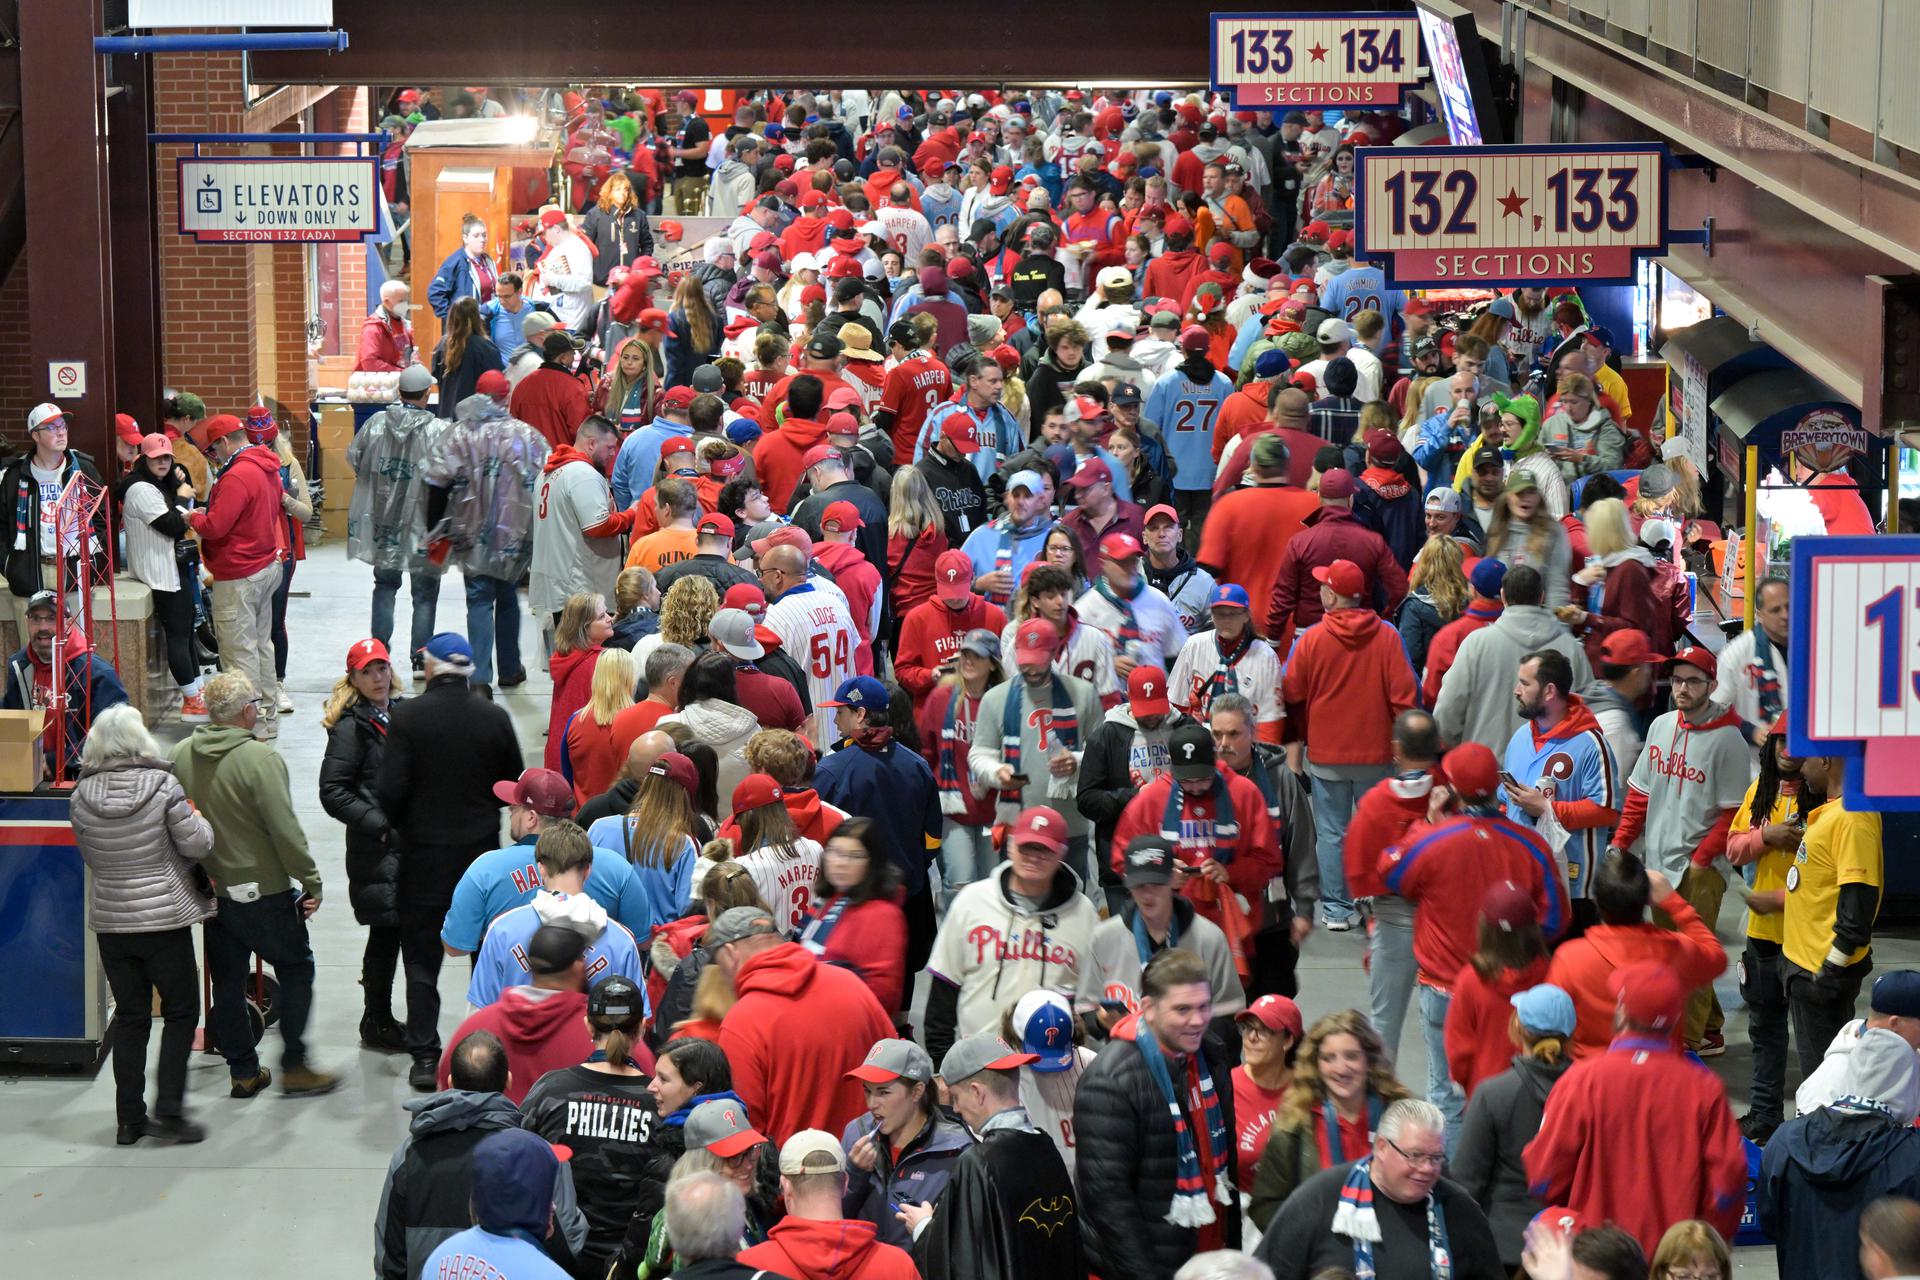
(1583, 968)
(1381, 818)
(542, 1031)
(777, 455)
(1301, 446)
(551, 401)
(855, 575)
(1256, 853)
(1345, 682)
(805, 234)
(386, 346)
(241, 531)
(846, 1249)
(932, 718)
(1240, 412)
(1331, 534)
(572, 686)
(1445, 870)
(1244, 539)
(800, 1025)
(931, 633)
(1478, 1017)
(871, 940)
(1168, 275)
(1643, 1136)
(1445, 646)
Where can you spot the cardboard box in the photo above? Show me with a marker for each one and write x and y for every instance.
(21, 755)
(335, 426)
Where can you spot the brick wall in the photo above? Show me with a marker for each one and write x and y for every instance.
(20, 390)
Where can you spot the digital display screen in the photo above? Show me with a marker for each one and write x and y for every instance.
(1450, 79)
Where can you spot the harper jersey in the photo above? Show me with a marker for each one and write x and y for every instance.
(1256, 677)
(913, 389)
(785, 879)
(817, 631)
(1185, 411)
(502, 962)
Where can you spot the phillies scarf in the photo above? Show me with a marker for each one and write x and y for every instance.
(1184, 835)
(952, 771)
(1355, 1218)
(1143, 941)
(1332, 1150)
(1223, 680)
(1129, 633)
(1065, 725)
(821, 923)
(1191, 1205)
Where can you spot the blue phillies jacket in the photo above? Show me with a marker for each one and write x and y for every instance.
(1588, 787)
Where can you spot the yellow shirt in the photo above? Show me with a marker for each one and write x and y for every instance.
(1770, 870)
(1612, 384)
(1839, 848)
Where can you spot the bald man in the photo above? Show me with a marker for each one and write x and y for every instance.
(618, 798)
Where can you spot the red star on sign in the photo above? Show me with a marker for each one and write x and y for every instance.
(1319, 53)
(1512, 203)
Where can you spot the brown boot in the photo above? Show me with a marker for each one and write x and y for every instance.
(298, 1082)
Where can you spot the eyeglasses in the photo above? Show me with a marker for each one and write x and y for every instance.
(1424, 1161)
(1671, 1274)
(1691, 682)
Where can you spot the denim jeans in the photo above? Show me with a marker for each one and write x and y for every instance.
(493, 624)
(137, 965)
(1390, 974)
(426, 600)
(1333, 804)
(966, 855)
(1442, 1092)
(272, 929)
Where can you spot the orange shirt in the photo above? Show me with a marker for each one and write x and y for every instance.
(663, 547)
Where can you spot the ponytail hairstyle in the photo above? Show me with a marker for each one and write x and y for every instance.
(616, 1037)
(1545, 1046)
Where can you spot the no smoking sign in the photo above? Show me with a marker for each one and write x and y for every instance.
(67, 379)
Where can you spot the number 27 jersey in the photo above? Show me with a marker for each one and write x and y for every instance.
(1185, 411)
(816, 630)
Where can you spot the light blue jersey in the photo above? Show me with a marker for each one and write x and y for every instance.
(1362, 287)
(503, 956)
(1579, 764)
(495, 883)
(1185, 411)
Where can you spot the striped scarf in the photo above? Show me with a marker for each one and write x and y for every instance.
(1220, 835)
(1064, 725)
(951, 755)
(1191, 1206)
(1355, 1218)
(1128, 636)
(1223, 680)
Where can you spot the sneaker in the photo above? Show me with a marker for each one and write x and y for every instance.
(1337, 924)
(128, 1134)
(175, 1129)
(382, 1035)
(284, 704)
(1757, 1129)
(1711, 1045)
(247, 1086)
(193, 708)
(515, 680)
(421, 1076)
(300, 1082)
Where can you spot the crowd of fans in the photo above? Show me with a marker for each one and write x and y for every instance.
(1003, 595)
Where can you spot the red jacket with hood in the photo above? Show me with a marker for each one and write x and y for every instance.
(805, 234)
(855, 575)
(572, 686)
(777, 455)
(1381, 818)
(542, 1031)
(1346, 681)
(1168, 275)
(1583, 968)
(800, 1025)
(1242, 410)
(931, 633)
(1478, 1016)
(1332, 533)
(241, 531)
(845, 1249)
(553, 401)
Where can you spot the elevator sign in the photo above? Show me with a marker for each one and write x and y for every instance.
(1435, 216)
(1264, 61)
(278, 199)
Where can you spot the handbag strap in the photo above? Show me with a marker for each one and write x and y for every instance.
(893, 570)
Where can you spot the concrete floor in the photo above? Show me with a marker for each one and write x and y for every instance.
(277, 1175)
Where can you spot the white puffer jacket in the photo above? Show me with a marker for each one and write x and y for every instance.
(139, 835)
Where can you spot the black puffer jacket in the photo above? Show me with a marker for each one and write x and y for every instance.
(1126, 1163)
(1502, 1118)
(356, 747)
(617, 238)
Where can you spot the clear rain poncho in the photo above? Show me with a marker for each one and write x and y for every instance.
(490, 461)
(387, 519)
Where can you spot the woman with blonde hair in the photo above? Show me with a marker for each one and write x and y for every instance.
(1691, 1250)
(653, 837)
(1523, 531)
(916, 535)
(636, 610)
(685, 611)
(678, 954)
(636, 375)
(590, 748)
(1619, 579)
(694, 333)
(464, 352)
(584, 628)
(1504, 1113)
(617, 226)
(1342, 1082)
(1581, 436)
(1437, 594)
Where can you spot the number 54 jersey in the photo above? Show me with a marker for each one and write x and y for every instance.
(815, 626)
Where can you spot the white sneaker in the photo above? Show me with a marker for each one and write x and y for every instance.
(285, 704)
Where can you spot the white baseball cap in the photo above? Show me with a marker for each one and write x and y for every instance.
(804, 262)
(1333, 329)
(42, 415)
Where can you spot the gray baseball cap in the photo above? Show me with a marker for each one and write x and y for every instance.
(732, 630)
(891, 1060)
(736, 923)
(977, 1053)
(981, 642)
(721, 1127)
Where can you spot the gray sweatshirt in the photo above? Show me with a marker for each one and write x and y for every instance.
(985, 757)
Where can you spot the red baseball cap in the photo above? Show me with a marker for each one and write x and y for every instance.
(1119, 546)
(1507, 907)
(651, 318)
(1220, 252)
(1275, 1013)
(1629, 648)
(843, 267)
(747, 596)
(127, 428)
(841, 516)
(1177, 225)
(1694, 656)
(675, 768)
(1036, 640)
(1650, 995)
(1000, 180)
(542, 790)
(953, 576)
(840, 219)
(1336, 483)
(218, 426)
(1344, 576)
(1469, 768)
(961, 432)
(714, 522)
(676, 444)
(362, 653)
(1147, 692)
(1157, 511)
(756, 791)
(492, 383)
(679, 398)
(1382, 444)
(1194, 339)
(1039, 825)
(815, 456)
(1093, 471)
(552, 218)
(787, 535)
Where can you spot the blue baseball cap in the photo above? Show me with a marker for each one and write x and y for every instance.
(1601, 334)
(512, 1176)
(1044, 1022)
(1545, 1008)
(862, 691)
(1502, 307)
(1488, 577)
(1896, 994)
(1271, 363)
(1229, 595)
(450, 646)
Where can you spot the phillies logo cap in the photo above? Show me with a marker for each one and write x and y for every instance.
(1147, 692)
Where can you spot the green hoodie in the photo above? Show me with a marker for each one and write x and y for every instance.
(240, 786)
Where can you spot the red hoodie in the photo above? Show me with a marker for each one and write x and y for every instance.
(1478, 1044)
(542, 1030)
(1445, 645)
(931, 633)
(1243, 409)
(1168, 275)
(844, 1249)
(800, 1025)
(806, 234)
(1346, 681)
(572, 686)
(241, 531)
(855, 575)
(1583, 967)
(1381, 818)
(878, 189)
(777, 457)
(553, 402)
